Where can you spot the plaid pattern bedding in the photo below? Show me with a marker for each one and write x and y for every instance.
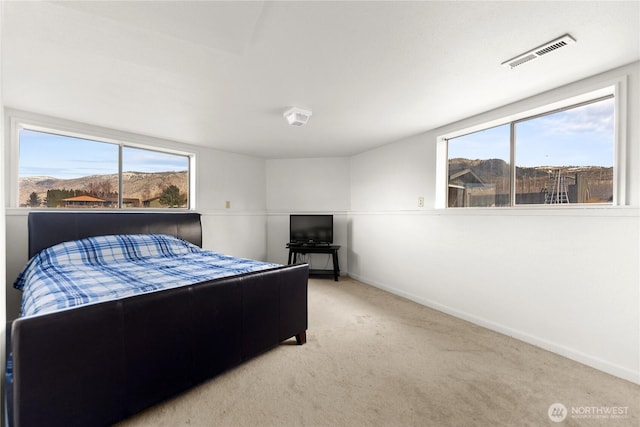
(104, 268)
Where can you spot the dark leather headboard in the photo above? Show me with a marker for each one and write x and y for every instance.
(50, 228)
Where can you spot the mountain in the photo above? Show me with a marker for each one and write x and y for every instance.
(135, 185)
(487, 170)
(596, 180)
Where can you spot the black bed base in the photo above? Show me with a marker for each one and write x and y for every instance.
(98, 364)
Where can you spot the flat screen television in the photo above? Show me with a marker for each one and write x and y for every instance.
(311, 229)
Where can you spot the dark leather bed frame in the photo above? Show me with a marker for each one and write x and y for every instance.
(98, 364)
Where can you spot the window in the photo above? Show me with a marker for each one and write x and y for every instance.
(559, 157)
(479, 172)
(61, 171)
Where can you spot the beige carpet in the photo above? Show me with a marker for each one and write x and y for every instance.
(374, 359)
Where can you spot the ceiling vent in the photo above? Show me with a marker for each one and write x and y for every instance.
(297, 116)
(539, 51)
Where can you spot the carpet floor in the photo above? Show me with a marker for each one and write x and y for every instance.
(375, 359)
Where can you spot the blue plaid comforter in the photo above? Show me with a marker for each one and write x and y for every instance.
(104, 268)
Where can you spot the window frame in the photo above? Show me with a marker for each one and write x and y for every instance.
(562, 100)
(21, 120)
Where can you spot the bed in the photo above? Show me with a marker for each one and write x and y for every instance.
(98, 363)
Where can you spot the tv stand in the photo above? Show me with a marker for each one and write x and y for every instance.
(296, 249)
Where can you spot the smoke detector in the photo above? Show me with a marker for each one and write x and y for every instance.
(539, 51)
(297, 116)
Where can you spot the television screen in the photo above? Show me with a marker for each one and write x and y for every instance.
(311, 229)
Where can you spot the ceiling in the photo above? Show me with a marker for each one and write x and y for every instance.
(220, 74)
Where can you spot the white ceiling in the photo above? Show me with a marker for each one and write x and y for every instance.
(220, 74)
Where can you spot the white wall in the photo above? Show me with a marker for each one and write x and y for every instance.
(239, 230)
(307, 186)
(566, 280)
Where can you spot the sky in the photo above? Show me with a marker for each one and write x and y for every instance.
(62, 157)
(582, 136)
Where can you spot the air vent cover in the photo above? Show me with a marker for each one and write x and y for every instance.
(539, 51)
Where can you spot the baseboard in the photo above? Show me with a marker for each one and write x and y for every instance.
(569, 353)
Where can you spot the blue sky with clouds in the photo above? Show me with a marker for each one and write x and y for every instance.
(581, 136)
(43, 154)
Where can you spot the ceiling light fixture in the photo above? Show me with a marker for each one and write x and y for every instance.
(297, 116)
(539, 51)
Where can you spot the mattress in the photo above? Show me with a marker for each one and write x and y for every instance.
(104, 268)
